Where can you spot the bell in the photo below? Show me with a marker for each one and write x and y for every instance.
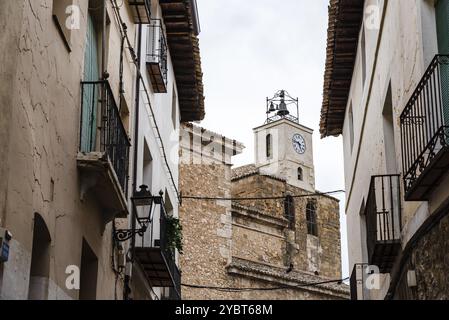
(272, 108)
(283, 111)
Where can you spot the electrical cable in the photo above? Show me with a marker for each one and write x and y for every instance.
(123, 32)
(261, 198)
(246, 289)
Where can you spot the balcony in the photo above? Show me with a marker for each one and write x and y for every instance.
(157, 56)
(357, 281)
(104, 150)
(425, 132)
(140, 11)
(383, 221)
(153, 253)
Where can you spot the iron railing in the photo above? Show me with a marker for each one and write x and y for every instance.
(425, 121)
(98, 101)
(278, 117)
(156, 236)
(383, 215)
(174, 293)
(157, 51)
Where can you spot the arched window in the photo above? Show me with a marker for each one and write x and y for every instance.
(289, 211)
(300, 174)
(312, 227)
(269, 146)
(40, 260)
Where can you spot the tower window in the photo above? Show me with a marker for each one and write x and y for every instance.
(300, 174)
(289, 211)
(269, 146)
(312, 227)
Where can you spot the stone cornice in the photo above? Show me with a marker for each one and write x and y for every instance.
(259, 216)
(278, 277)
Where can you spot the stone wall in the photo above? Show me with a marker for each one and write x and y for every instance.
(306, 252)
(206, 229)
(249, 244)
(431, 261)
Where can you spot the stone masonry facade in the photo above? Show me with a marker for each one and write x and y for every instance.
(251, 244)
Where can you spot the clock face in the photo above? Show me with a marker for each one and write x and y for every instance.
(299, 144)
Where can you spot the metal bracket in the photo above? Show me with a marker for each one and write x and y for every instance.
(126, 234)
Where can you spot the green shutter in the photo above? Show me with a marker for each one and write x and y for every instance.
(90, 92)
(442, 17)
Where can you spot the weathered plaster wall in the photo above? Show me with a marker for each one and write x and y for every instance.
(44, 97)
(9, 38)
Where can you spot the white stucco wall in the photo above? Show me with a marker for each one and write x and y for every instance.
(161, 104)
(397, 53)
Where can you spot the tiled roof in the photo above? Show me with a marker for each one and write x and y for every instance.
(244, 171)
(179, 19)
(250, 170)
(345, 18)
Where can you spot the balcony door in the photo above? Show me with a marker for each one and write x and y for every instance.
(90, 94)
(442, 17)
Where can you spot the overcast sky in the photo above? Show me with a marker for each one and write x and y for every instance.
(252, 48)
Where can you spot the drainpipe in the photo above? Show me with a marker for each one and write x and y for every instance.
(103, 43)
(134, 174)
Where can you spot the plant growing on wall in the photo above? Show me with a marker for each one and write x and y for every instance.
(174, 234)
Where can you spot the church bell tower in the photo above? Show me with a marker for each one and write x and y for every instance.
(283, 147)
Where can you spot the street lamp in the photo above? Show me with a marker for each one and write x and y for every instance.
(142, 202)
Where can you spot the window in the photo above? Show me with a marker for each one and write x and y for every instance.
(89, 271)
(168, 204)
(363, 49)
(351, 127)
(312, 227)
(147, 176)
(289, 211)
(40, 260)
(62, 11)
(174, 108)
(269, 146)
(300, 174)
(388, 128)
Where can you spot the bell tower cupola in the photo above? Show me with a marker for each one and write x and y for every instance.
(283, 147)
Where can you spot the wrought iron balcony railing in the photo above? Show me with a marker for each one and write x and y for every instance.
(100, 114)
(383, 221)
(157, 56)
(174, 293)
(154, 253)
(425, 131)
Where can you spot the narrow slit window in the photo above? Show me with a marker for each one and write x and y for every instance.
(289, 211)
(300, 174)
(269, 146)
(311, 219)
